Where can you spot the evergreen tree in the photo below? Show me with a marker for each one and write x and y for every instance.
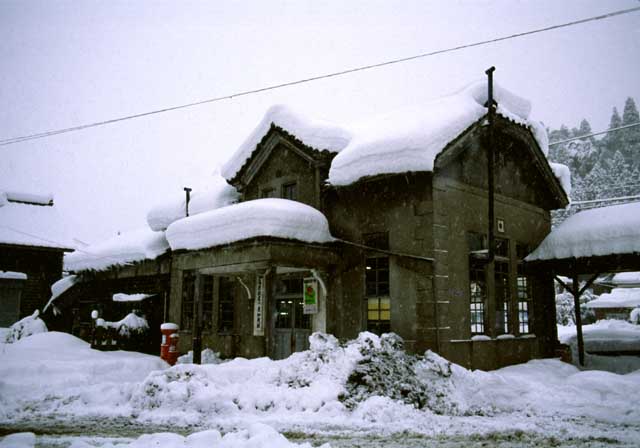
(596, 182)
(619, 177)
(613, 140)
(631, 137)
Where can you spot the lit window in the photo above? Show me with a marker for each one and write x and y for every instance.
(478, 296)
(503, 296)
(377, 285)
(524, 302)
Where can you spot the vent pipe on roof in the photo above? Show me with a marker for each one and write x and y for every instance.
(491, 106)
(187, 190)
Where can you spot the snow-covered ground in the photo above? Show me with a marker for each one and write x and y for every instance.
(57, 385)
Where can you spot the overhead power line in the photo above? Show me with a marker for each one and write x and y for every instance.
(595, 133)
(13, 140)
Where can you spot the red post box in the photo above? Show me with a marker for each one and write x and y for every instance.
(168, 329)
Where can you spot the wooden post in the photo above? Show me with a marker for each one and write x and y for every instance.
(576, 303)
(197, 319)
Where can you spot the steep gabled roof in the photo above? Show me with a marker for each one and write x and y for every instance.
(312, 134)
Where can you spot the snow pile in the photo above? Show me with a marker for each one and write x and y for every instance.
(256, 435)
(25, 327)
(12, 275)
(411, 139)
(33, 225)
(143, 244)
(130, 325)
(328, 380)
(60, 287)
(280, 218)
(617, 298)
(29, 198)
(599, 231)
(216, 195)
(626, 279)
(317, 134)
(122, 297)
(57, 374)
(207, 356)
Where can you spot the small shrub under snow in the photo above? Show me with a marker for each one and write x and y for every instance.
(26, 327)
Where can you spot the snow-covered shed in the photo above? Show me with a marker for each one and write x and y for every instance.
(387, 232)
(33, 239)
(588, 244)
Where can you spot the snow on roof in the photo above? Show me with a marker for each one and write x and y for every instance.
(218, 194)
(32, 225)
(142, 244)
(122, 297)
(410, 140)
(599, 231)
(617, 298)
(626, 279)
(59, 287)
(28, 198)
(12, 275)
(317, 134)
(563, 174)
(280, 218)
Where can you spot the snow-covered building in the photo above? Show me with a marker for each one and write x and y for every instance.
(32, 242)
(379, 226)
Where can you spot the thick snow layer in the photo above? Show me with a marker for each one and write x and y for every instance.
(25, 327)
(122, 297)
(563, 174)
(617, 298)
(12, 275)
(317, 134)
(332, 387)
(608, 335)
(60, 287)
(56, 373)
(279, 218)
(410, 140)
(218, 194)
(599, 231)
(142, 244)
(626, 279)
(33, 225)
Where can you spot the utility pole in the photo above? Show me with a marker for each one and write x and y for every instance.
(187, 190)
(491, 106)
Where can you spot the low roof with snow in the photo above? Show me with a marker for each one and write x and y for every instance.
(397, 142)
(130, 247)
(617, 298)
(612, 230)
(22, 224)
(277, 218)
(217, 194)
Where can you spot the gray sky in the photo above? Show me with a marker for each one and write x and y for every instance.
(68, 63)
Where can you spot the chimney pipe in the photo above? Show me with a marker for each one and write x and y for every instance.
(491, 106)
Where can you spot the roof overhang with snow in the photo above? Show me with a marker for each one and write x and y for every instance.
(605, 239)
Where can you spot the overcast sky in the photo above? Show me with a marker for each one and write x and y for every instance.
(68, 63)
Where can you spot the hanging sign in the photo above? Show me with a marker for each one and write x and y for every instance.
(310, 295)
(258, 307)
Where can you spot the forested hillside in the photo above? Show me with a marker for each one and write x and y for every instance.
(601, 168)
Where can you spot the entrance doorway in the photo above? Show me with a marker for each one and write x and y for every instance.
(292, 326)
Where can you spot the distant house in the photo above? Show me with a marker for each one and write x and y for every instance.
(377, 227)
(32, 243)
